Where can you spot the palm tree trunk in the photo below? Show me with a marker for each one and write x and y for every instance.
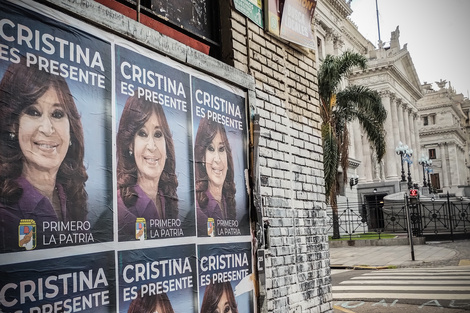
(334, 208)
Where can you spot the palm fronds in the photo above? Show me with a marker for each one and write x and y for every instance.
(338, 108)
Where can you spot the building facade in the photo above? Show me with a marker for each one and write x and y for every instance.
(432, 123)
(391, 72)
(443, 130)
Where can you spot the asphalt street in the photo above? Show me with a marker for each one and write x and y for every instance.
(387, 280)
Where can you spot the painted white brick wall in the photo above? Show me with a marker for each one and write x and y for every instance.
(297, 265)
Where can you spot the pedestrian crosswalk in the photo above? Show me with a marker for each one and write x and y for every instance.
(445, 283)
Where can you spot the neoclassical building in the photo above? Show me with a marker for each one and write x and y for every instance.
(391, 72)
(444, 137)
(431, 123)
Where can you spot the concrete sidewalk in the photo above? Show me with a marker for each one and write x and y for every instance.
(429, 254)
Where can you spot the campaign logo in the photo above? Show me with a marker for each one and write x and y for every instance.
(27, 237)
(140, 229)
(210, 227)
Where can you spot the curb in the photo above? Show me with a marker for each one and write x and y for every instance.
(341, 267)
(361, 267)
(398, 241)
(372, 267)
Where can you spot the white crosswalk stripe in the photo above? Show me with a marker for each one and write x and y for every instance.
(445, 283)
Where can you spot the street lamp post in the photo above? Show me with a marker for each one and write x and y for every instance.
(429, 170)
(423, 161)
(408, 154)
(400, 150)
(410, 183)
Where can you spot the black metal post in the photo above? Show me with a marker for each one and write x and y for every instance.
(403, 178)
(450, 217)
(424, 176)
(419, 217)
(376, 213)
(410, 183)
(429, 184)
(410, 232)
(350, 227)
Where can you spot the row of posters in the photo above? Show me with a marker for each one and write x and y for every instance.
(183, 278)
(122, 175)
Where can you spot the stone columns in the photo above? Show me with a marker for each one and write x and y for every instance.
(407, 141)
(352, 135)
(407, 127)
(389, 161)
(395, 131)
(366, 161)
(359, 155)
(417, 148)
(412, 144)
(454, 168)
(445, 167)
(401, 121)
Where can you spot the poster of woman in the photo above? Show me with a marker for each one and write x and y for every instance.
(54, 100)
(154, 165)
(79, 283)
(225, 278)
(158, 280)
(98, 139)
(220, 160)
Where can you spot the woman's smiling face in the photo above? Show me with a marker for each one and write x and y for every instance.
(149, 150)
(44, 133)
(216, 162)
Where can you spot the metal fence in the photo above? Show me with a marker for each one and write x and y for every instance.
(435, 218)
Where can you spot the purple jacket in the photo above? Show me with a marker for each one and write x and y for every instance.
(212, 210)
(32, 205)
(143, 208)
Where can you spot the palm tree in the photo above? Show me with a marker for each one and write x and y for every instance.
(337, 109)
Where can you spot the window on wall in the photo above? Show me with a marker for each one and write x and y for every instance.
(320, 48)
(432, 153)
(429, 119)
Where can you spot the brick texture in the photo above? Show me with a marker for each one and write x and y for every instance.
(291, 168)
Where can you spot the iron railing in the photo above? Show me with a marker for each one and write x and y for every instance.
(441, 218)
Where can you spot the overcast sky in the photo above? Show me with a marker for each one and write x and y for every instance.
(437, 33)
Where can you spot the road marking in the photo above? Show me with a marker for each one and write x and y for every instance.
(339, 308)
(434, 284)
(402, 282)
(421, 277)
(403, 288)
(408, 296)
